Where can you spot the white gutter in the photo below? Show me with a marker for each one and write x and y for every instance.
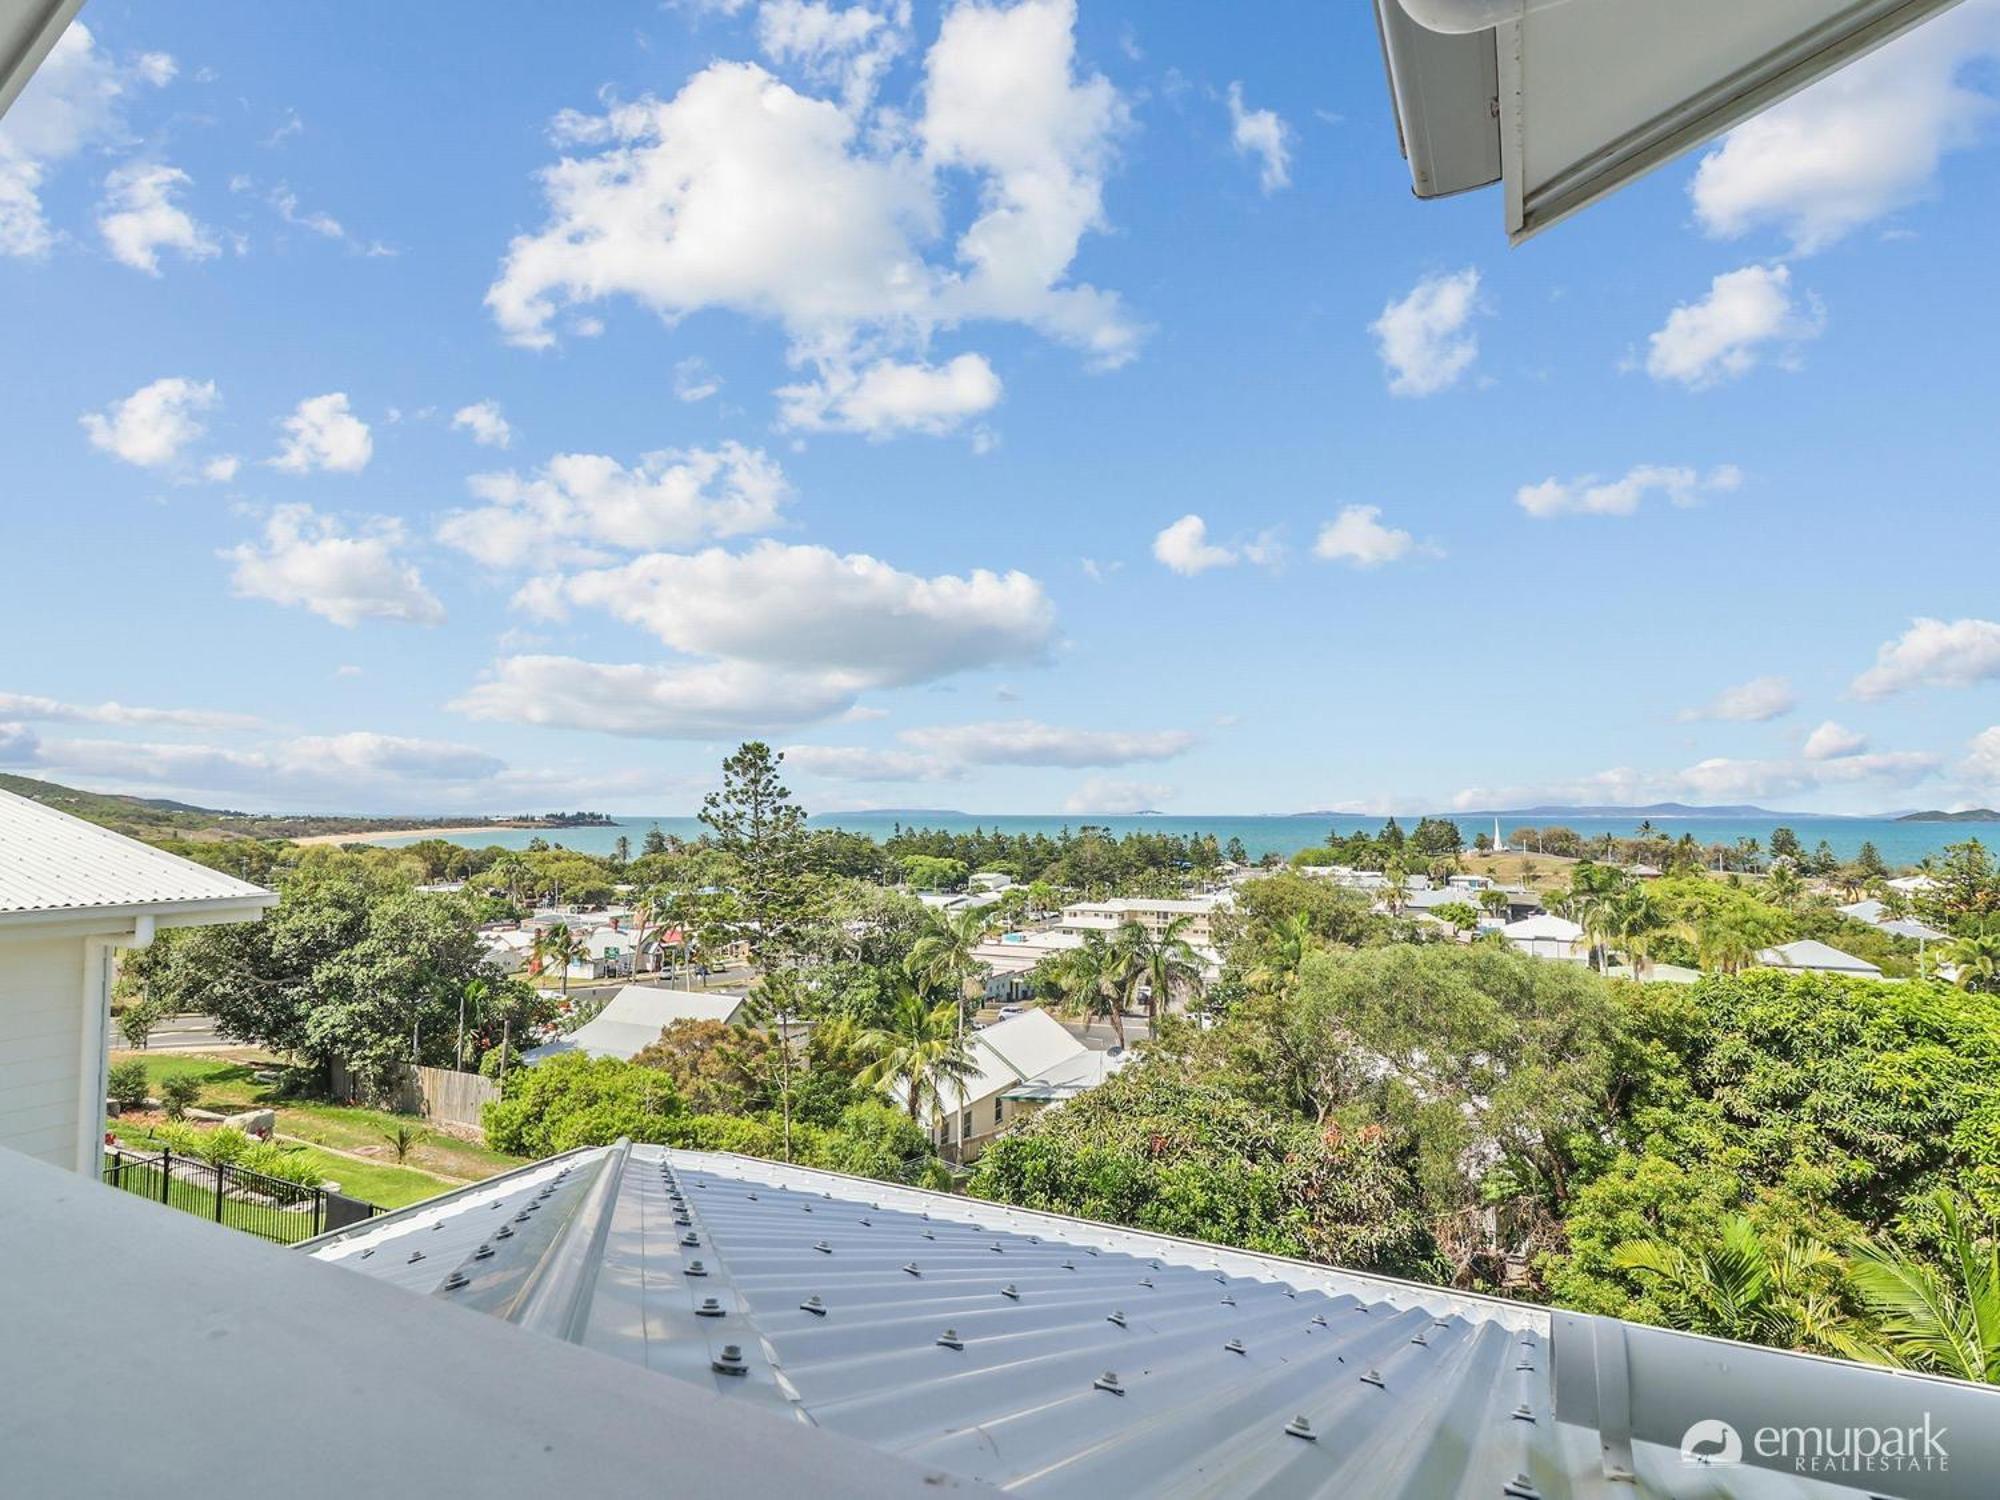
(28, 30)
(1463, 17)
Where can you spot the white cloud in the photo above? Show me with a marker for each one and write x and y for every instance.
(29, 707)
(1185, 548)
(694, 381)
(483, 420)
(890, 397)
(781, 636)
(309, 561)
(809, 609)
(580, 507)
(1719, 779)
(849, 47)
(1757, 701)
(1859, 144)
(1260, 133)
(139, 218)
(1833, 741)
(75, 102)
(858, 763)
(698, 702)
(742, 192)
(1025, 742)
(151, 426)
(1933, 653)
(316, 221)
(221, 469)
(1589, 496)
(1102, 794)
(1745, 314)
(1358, 536)
(321, 433)
(1425, 338)
(1982, 759)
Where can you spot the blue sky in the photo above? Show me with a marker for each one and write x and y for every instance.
(1011, 408)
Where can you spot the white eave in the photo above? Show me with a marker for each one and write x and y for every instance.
(58, 871)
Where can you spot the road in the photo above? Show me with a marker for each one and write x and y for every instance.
(187, 1034)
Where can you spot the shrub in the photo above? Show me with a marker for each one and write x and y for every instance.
(177, 1094)
(286, 1163)
(574, 1100)
(126, 1085)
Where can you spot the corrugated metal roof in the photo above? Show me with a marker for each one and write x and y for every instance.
(635, 1017)
(53, 862)
(1056, 1357)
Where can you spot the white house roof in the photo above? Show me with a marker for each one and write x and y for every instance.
(52, 863)
(1810, 953)
(1011, 1052)
(1543, 927)
(1869, 911)
(634, 1019)
(1053, 1358)
(1909, 927)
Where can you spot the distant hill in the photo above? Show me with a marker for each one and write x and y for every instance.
(1609, 810)
(157, 818)
(1970, 815)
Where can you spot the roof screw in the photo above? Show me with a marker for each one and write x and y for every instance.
(695, 1268)
(1374, 1378)
(1521, 1488)
(730, 1361)
(1235, 1346)
(949, 1339)
(415, 1256)
(1117, 1317)
(454, 1281)
(1069, 1265)
(1420, 1339)
(1108, 1381)
(867, 1223)
(753, 1197)
(710, 1308)
(1228, 1301)
(520, 1218)
(1221, 1278)
(1299, 1427)
(823, 1247)
(1524, 1368)
(690, 1238)
(997, 1250)
(1158, 1267)
(911, 1267)
(930, 1234)
(1440, 1322)
(484, 1252)
(808, 1207)
(1524, 1413)
(1320, 1322)
(1011, 1291)
(504, 1232)
(814, 1306)
(1145, 1281)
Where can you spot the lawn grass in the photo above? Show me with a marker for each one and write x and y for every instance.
(230, 1087)
(384, 1185)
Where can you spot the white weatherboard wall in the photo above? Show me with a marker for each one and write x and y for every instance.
(71, 895)
(47, 1060)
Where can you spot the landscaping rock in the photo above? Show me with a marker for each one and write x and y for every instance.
(256, 1122)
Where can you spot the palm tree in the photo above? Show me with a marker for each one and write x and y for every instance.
(556, 944)
(920, 1053)
(1729, 939)
(1284, 957)
(1977, 959)
(942, 958)
(1633, 919)
(1493, 903)
(1090, 978)
(510, 870)
(1742, 1287)
(1942, 1319)
(404, 1139)
(1783, 885)
(1162, 959)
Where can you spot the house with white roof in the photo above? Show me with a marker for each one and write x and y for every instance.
(1032, 1051)
(1547, 936)
(72, 895)
(636, 1016)
(1810, 953)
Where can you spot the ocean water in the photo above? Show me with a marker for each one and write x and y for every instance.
(1900, 843)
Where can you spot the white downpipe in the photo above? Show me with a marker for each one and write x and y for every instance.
(1460, 17)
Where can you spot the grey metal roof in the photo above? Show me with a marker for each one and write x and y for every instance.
(51, 862)
(1053, 1356)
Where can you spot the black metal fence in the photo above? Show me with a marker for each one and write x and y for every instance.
(268, 1207)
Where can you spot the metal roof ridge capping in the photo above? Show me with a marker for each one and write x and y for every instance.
(1060, 1357)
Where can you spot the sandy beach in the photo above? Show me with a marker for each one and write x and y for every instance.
(402, 833)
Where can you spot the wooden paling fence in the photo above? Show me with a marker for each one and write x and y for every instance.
(446, 1098)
